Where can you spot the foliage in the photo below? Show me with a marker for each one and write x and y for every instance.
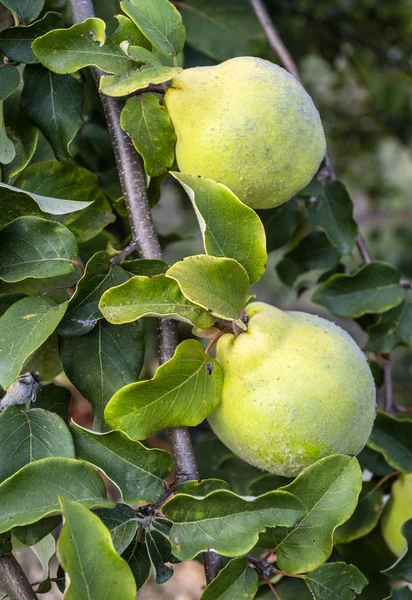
(77, 310)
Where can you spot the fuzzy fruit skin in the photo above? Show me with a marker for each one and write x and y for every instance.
(249, 124)
(297, 388)
(397, 511)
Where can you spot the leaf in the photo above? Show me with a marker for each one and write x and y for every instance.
(145, 266)
(32, 493)
(103, 361)
(332, 210)
(5, 546)
(393, 438)
(365, 517)
(7, 150)
(83, 313)
(199, 489)
(24, 327)
(183, 392)
(267, 483)
(24, 136)
(138, 560)
(45, 360)
(122, 523)
(16, 42)
(329, 490)
(235, 580)
(220, 285)
(402, 593)
(402, 568)
(393, 329)
(16, 202)
(280, 223)
(229, 228)
(29, 436)
(54, 103)
(9, 80)
(336, 581)
(54, 398)
(136, 470)
(160, 22)
(32, 247)
(373, 288)
(93, 570)
(223, 29)
(159, 552)
(122, 85)
(314, 251)
(93, 220)
(225, 522)
(26, 11)
(127, 31)
(148, 125)
(32, 534)
(45, 550)
(69, 50)
(151, 296)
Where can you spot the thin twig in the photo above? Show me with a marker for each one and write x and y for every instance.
(272, 589)
(363, 249)
(387, 386)
(13, 580)
(133, 181)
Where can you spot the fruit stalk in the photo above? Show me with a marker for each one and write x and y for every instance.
(133, 182)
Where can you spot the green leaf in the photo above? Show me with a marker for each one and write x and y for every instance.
(160, 22)
(365, 517)
(83, 313)
(45, 550)
(24, 136)
(148, 266)
(329, 490)
(402, 593)
(332, 210)
(32, 493)
(69, 50)
(33, 247)
(26, 11)
(151, 296)
(93, 570)
(159, 551)
(280, 223)
(402, 568)
(393, 438)
(54, 103)
(127, 31)
(122, 523)
(236, 580)
(314, 251)
(5, 547)
(103, 361)
(393, 329)
(202, 488)
(92, 220)
(7, 149)
(374, 288)
(226, 522)
(138, 560)
(223, 30)
(183, 392)
(29, 436)
(229, 228)
(9, 80)
(122, 85)
(148, 125)
(220, 285)
(45, 359)
(16, 42)
(267, 483)
(336, 581)
(136, 470)
(32, 534)
(54, 398)
(24, 327)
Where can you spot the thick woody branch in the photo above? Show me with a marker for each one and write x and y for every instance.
(145, 240)
(13, 581)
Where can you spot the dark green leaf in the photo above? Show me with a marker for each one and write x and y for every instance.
(138, 560)
(280, 223)
(336, 581)
(374, 462)
(183, 392)
(159, 551)
(374, 288)
(147, 267)
(202, 488)
(365, 517)
(54, 103)
(393, 438)
(54, 398)
(24, 136)
(136, 470)
(9, 80)
(103, 361)
(312, 252)
(393, 329)
(29, 535)
(16, 42)
(29, 436)
(26, 11)
(121, 522)
(236, 580)
(23, 328)
(7, 149)
(402, 568)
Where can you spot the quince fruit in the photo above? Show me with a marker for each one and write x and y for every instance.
(248, 124)
(397, 511)
(297, 388)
